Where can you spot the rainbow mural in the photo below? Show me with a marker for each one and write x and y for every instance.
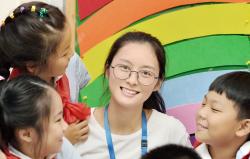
(203, 39)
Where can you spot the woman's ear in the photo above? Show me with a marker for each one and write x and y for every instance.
(158, 85)
(26, 135)
(244, 128)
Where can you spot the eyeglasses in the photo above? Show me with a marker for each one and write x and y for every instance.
(123, 72)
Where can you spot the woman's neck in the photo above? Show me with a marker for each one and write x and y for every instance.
(124, 121)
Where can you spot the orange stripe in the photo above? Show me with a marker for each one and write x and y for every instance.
(121, 13)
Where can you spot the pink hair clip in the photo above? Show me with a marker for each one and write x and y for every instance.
(22, 9)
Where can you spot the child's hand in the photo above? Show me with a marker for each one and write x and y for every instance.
(77, 131)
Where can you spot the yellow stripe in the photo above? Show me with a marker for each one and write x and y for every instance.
(233, 18)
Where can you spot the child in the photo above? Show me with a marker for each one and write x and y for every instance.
(134, 121)
(172, 151)
(223, 121)
(36, 39)
(32, 125)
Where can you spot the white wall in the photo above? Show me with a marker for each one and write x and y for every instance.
(7, 6)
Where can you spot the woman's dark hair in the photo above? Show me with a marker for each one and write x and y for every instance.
(30, 36)
(155, 101)
(25, 102)
(236, 86)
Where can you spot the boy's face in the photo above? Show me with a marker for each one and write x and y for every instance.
(216, 120)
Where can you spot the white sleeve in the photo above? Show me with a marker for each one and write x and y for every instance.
(77, 75)
(68, 151)
(83, 77)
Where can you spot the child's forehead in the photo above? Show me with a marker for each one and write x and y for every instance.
(221, 102)
(217, 97)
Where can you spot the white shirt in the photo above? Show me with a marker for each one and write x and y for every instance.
(204, 153)
(162, 129)
(67, 152)
(17, 153)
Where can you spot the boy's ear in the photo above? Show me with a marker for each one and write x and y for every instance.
(158, 85)
(244, 128)
(26, 135)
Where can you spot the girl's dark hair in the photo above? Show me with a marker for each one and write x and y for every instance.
(172, 151)
(24, 103)
(155, 101)
(29, 36)
(236, 86)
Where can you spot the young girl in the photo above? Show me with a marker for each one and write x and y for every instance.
(134, 121)
(223, 121)
(36, 39)
(32, 125)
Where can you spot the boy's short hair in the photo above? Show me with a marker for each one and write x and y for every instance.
(236, 86)
(172, 151)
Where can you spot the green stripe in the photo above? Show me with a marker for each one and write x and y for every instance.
(206, 53)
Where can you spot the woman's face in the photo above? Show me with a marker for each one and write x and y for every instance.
(132, 91)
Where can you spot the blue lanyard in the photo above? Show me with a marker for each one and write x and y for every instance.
(144, 142)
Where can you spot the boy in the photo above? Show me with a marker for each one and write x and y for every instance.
(223, 121)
